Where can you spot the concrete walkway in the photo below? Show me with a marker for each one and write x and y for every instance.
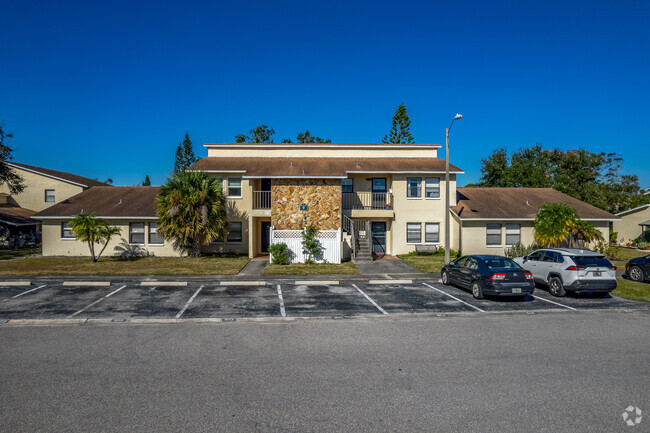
(255, 266)
(386, 265)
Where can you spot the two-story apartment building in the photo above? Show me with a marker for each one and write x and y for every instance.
(392, 194)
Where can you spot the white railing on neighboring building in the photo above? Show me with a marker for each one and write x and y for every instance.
(330, 242)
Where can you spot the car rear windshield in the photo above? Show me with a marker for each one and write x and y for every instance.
(501, 263)
(591, 261)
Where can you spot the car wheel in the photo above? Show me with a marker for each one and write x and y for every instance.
(477, 292)
(636, 273)
(556, 287)
(445, 278)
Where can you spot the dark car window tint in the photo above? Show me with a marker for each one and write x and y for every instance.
(559, 258)
(591, 261)
(461, 262)
(501, 263)
(472, 264)
(535, 256)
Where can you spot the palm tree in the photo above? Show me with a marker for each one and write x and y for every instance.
(583, 232)
(192, 211)
(88, 228)
(553, 224)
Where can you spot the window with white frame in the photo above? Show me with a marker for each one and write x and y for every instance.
(136, 233)
(154, 239)
(432, 233)
(49, 196)
(432, 187)
(347, 185)
(413, 233)
(234, 233)
(493, 234)
(413, 187)
(66, 230)
(513, 234)
(234, 187)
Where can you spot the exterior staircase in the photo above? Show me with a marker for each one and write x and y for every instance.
(361, 239)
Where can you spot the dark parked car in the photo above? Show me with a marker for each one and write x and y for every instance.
(489, 275)
(638, 269)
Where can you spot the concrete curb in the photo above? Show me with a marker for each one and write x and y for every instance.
(163, 283)
(87, 283)
(15, 283)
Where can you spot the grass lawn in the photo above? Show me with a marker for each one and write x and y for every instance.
(632, 290)
(314, 269)
(115, 266)
(427, 264)
(9, 254)
(625, 254)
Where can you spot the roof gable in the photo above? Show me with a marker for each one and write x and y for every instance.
(59, 175)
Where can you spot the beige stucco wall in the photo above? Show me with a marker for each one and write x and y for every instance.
(279, 150)
(628, 227)
(33, 196)
(54, 245)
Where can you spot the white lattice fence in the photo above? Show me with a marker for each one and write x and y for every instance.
(330, 241)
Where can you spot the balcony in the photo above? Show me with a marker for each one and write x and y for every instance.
(261, 199)
(368, 204)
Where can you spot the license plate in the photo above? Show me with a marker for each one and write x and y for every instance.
(597, 274)
(518, 290)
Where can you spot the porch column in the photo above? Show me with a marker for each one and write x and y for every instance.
(251, 237)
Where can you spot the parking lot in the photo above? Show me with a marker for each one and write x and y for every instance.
(238, 299)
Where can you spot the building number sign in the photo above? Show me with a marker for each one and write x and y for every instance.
(303, 207)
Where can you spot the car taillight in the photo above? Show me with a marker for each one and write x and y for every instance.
(498, 277)
(528, 276)
(613, 268)
(576, 268)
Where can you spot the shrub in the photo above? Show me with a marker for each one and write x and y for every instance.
(280, 254)
(613, 237)
(310, 244)
(519, 250)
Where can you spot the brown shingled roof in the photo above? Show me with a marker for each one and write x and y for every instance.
(60, 174)
(320, 144)
(320, 167)
(108, 201)
(517, 203)
(16, 215)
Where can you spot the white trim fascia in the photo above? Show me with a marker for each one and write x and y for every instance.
(405, 172)
(19, 225)
(525, 219)
(103, 217)
(320, 146)
(46, 175)
(218, 171)
(294, 177)
(632, 210)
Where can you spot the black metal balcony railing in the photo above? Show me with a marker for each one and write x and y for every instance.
(261, 199)
(367, 200)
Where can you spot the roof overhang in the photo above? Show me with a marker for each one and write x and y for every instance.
(43, 217)
(633, 210)
(321, 146)
(46, 175)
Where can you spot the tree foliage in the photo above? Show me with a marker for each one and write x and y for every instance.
(192, 211)
(7, 174)
(146, 181)
(594, 178)
(310, 245)
(260, 134)
(557, 224)
(92, 230)
(306, 137)
(184, 155)
(399, 132)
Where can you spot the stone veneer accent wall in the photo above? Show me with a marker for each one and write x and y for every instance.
(322, 197)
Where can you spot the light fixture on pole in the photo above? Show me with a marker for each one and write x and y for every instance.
(447, 246)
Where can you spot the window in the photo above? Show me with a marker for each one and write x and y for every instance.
(66, 231)
(536, 256)
(413, 233)
(234, 233)
(513, 234)
(378, 184)
(154, 239)
(501, 263)
(414, 187)
(234, 187)
(347, 185)
(493, 234)
(472, 263)
(432, 232)
(136, 233)
(432, 187)
(49, 196)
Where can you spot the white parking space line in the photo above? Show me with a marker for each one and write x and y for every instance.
(163, 283)
(370, 299)
(553, 302)
(390, 282)
(28, 291)
(180, 313)
(94, 303)
(283, 312)
(453, 297)
(152, 289)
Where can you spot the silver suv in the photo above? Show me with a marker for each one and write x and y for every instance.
(563, 269)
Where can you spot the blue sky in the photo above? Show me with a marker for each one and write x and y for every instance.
(108, 89)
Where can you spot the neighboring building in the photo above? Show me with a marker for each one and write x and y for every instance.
(646, 191)
(632, 223)
(394, 193)
(131, 208)
(489, 220)
(43, 188)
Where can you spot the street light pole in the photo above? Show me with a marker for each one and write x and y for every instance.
(447, 241)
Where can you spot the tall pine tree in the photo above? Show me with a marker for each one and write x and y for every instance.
(399, 133)
(184, 155)
(147, 181)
